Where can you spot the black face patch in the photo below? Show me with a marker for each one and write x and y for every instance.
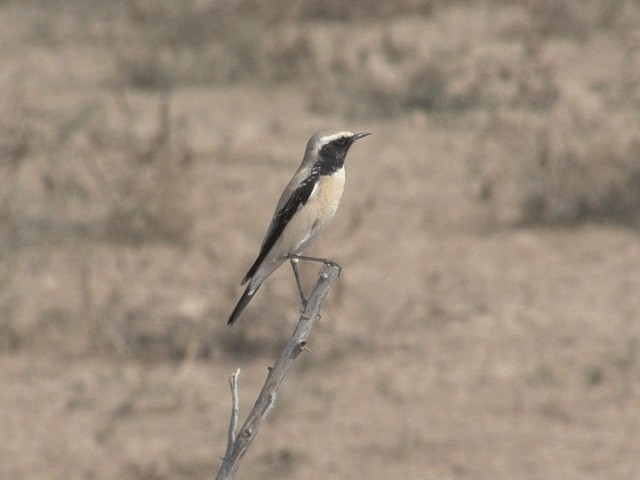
(332, 155)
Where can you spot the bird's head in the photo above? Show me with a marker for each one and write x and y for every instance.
(328, 148)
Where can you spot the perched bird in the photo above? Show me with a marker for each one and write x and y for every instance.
(305, 208)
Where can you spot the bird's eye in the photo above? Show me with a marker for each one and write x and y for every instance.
(341, 142)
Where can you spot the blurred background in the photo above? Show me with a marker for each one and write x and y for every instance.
(487, 320)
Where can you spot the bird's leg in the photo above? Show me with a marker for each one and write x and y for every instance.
(294, 266)
(326, 261)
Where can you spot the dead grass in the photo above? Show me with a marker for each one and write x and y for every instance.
(594, 177)
(389, 64)
(72, 178)
(545, 154)
(152, 201)
(127, 218)
(140, 195)
(571, 166)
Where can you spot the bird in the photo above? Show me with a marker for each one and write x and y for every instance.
(306, 206)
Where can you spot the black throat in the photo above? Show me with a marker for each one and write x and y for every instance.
(331, 158)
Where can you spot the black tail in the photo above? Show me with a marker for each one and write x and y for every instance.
(244, 300)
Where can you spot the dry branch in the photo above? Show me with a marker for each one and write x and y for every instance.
(235, 408)
(239, 444)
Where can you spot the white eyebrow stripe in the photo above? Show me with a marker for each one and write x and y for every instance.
(335, 136)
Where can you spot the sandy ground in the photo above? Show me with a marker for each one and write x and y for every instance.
(455, 345)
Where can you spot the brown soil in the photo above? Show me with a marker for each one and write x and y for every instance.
(467, 337)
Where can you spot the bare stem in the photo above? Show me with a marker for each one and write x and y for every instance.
(237, 448)
(235, 406)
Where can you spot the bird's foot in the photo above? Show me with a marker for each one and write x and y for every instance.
(326, 261)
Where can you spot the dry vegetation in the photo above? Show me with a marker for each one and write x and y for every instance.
(484, 346)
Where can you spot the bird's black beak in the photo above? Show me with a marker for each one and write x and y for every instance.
(358, 136)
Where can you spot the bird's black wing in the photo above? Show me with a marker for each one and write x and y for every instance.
(281, 218)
